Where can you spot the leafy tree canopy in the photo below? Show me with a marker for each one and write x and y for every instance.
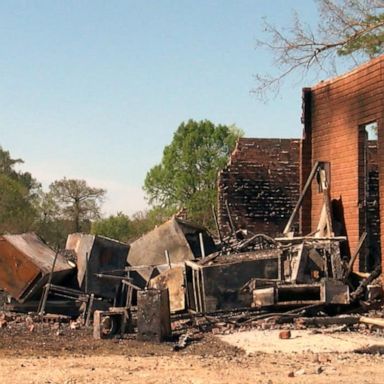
(349, 29)
(69, 205)
(17, 196)
(7, 167)
(127, 229)
(116, 227)
(187, 174)
(17, 214)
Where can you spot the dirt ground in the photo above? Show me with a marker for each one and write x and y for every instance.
(49, 355)
(314, 340)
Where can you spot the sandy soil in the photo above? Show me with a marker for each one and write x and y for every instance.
(51, 356)
(268, 341)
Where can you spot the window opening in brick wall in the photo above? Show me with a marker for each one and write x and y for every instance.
(369, 210)
(371, 130)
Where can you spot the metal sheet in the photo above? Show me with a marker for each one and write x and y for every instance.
(328, 291)
(263, 297)
(173, 279)
(104, 255)
(179, 238)
(335, 292)
(220, 282)
(25, 262)
(153, 318)
(42, 256)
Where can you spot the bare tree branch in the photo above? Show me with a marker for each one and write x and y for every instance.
(347, 28)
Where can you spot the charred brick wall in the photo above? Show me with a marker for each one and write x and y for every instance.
(261, 185)
(339, 110)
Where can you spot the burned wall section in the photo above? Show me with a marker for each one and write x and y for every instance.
(373, 209)
(306, 166)
(261, 185)
(337, 110)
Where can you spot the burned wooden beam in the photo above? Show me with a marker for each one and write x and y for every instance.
(327, 320)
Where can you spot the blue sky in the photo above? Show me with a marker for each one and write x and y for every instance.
(95, 89)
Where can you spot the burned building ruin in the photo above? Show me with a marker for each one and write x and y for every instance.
(338, 116)
(260, 185)
(342, 120)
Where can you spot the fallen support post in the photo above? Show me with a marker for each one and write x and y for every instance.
(297, 312)
(313, 173)
(372, 321)
(364, 283)
(353, 258)
(325, 321)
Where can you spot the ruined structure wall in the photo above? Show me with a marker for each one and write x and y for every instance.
(338, 108)
(261, 185)
(306, 166)
(373, 206)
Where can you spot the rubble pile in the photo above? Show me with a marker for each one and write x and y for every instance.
(176, 282)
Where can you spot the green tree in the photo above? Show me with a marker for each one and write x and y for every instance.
(7, 167)
(53, 228)
(352, 30)
(76, 201)
(18, 196)
(127, 229)
(187, 174)
(17, 213)
(116, 227)
(7, 164)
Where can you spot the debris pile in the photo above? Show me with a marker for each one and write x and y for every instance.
(176, 281)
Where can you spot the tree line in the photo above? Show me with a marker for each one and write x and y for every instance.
(185, 179)
(68, 206)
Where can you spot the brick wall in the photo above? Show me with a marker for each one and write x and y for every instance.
(261, 185)
(338, 109)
